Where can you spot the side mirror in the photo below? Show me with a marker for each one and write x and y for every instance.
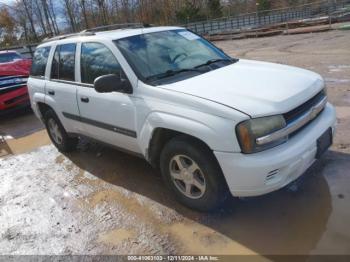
(112, 83)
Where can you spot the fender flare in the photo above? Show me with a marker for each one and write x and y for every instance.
(179, 124)
(36, 99)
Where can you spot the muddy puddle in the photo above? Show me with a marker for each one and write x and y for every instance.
(114, 211)
(21, 132)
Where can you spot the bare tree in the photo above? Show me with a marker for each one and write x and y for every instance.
(69, 10)
(28, 8)
(38, 15)
(52, 15)
(83, 9)
(36, 19)
(102, 11)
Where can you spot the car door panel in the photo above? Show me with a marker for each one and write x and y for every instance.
(64, 96)
(106, 117)
(61, 89)
(109, 117)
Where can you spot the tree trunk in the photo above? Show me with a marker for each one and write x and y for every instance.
(40, 16)
(70, 15)
(30, 18)
(46, 15)
(53, 17)
(83, 8)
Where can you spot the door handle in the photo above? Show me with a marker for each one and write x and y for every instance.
(84, 99)
(51, 92)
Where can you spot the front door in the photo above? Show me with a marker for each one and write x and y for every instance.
(109, 117)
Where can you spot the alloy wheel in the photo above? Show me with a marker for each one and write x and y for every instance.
(187, 176)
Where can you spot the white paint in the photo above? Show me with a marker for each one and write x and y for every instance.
(208, 107)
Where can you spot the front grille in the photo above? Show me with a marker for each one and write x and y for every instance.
(302, 109)
(11, 83)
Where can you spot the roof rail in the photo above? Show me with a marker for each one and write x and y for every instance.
(115, 27)
(60, 37)
(91, 31)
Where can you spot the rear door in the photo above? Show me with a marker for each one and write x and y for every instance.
(61, 90)
(109, 117)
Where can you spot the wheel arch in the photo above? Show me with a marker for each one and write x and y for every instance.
(161, 136)
(43, 108)
(159, 128)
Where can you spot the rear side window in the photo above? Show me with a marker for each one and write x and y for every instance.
(97, 60)
(39, 61)
(63, 62)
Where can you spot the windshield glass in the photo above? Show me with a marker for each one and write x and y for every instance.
(167, 53)
(9, 57)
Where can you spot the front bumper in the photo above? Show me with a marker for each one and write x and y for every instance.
(14, 99)
(264, 172)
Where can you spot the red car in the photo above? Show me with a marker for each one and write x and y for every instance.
(14, 72)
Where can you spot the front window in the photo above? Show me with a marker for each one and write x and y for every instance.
(9, 57)
(97, 60)
(170, 56)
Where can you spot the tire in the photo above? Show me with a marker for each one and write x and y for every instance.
(60, 139)
(212, 189)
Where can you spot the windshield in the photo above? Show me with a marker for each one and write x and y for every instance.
(168, 53)
(9, 57)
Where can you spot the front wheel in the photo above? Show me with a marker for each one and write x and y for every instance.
(193, 174)
(58, 134)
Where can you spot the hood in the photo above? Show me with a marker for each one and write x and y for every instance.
(253, 87)
(17, 67)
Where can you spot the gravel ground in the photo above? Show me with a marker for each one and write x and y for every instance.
(101, 201)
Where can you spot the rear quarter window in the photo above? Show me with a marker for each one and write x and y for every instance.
(39, 61)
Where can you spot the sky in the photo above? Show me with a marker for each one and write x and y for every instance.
(7, 1)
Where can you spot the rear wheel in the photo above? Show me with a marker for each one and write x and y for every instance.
(58, 134)
(193, 174)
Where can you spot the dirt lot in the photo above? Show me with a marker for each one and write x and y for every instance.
(101, 201)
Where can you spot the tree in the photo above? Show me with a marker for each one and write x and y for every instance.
(69, 10)
(52, 15)
(214, 8)
(7, 27)
(28, 8)
(83, 9)
(264, 5)
(103, 12)
(189, 12)
(39, 16)
(36, 19)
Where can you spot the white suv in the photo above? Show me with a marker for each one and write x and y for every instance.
(214, 125)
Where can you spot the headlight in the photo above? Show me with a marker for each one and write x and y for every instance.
(249, 130)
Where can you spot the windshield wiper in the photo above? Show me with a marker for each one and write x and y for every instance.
(172, 73)
(212, 61)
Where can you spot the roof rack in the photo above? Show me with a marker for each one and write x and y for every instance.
(60, 37)
(115, 27)
(91, 31)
